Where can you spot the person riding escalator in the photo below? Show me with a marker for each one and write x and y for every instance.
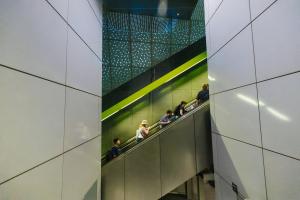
(115, 150)
(203, 95)
(143, 131)
(180, 109)
(167, 118)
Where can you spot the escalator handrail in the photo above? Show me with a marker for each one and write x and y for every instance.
(162, 130)
(188, 107)
(191, 107)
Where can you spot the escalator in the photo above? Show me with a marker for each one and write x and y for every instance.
(165, 160)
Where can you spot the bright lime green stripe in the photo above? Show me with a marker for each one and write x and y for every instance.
(152, 86)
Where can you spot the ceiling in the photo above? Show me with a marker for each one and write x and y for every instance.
(181, 9)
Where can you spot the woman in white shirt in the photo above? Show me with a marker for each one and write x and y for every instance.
(143, 131)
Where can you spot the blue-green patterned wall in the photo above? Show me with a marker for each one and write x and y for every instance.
(134, 43)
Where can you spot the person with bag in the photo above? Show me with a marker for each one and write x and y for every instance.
(114, 151)
(203, 95)
(180, 109)
(143, 131)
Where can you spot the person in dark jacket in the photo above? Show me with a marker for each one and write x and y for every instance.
(180, 109)
(115, 150)
(203, 95)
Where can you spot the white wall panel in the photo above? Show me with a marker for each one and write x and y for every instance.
(85, 23)
(84, 68)
(258, 6)
(206, 13)
(32, 121)
(38, 114)
(97, 7)
(211, 8)
(276, 52)
(232, 17)
(98, 10)
(215, 150)
(100, 117)
(218, 187)
(33, 38)
(212, 113)
(208, 41)
(223, 190)
(282, 175)
(280, 115)
(233, 65)
(61, 6)
(277, 41)
(82, 118)
(237, 114)
(41, 183)
(242, 164)
(81, 170)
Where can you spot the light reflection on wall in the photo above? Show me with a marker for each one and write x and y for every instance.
(263, 105)
(210, 78)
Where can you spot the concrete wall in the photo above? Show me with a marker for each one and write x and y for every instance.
(50, 86)
(253, 65)
(153, 106)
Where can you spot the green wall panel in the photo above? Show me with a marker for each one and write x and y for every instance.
(154, 85)
(106, 82)
(153, 106)
(180, 31)
(120, 75)
(160, 52)
(119, 53)
(140, 55)
(175, 48)
(140, 28)
(132, 44)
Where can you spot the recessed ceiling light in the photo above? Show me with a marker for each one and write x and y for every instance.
(178, 14)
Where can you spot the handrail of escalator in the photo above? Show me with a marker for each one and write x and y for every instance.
(153, 129)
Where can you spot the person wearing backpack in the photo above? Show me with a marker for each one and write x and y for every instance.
(142, 132)
(203, 95)
(180, 109)
(114, 151)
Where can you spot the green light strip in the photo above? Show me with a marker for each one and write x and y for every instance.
(152, 86)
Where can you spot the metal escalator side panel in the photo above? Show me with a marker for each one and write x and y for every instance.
(177, 154)
(203, 139)
(162, 162)
(142, 172)
(112, 180)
